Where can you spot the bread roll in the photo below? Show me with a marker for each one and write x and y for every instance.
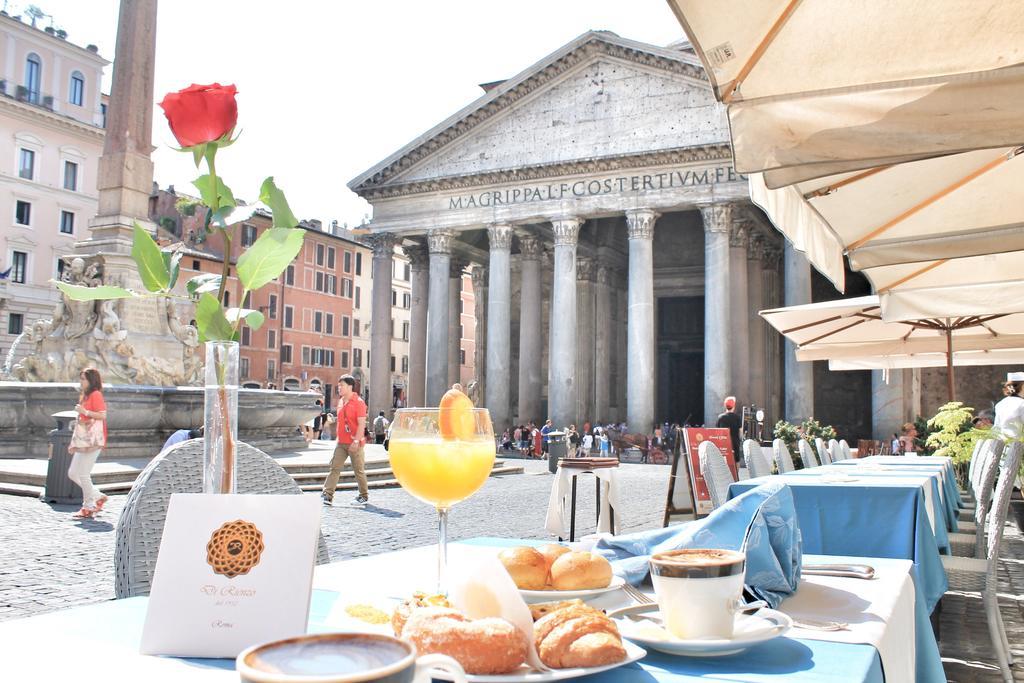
(551, 552)
(580, 571)
(526, 566)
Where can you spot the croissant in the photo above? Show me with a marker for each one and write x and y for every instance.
(578, 636)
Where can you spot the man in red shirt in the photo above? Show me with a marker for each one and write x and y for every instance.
(351, 440)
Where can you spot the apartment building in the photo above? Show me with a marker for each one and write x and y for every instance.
(51, 136)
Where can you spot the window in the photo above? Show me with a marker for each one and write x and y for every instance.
(329, 323)
(19, 266)
(289, 276)
(271, 339)
(22, 213)
(405, 331)
(392, 363)
(33, 77)
(286, 353)
(61, 265)
(355, 327)
(405, 364)
(243, 365)
(319, 254)
(346, 288)
(318, 321)
(406, 273)
(344, 360)
(247, 301)
(246, 336)
(305, 355)
(15, 323)
(248, 234)
(462, 307)
(227, 299)
(67, 222)
(271, 368)
(289, 313)
(76, 94)
(406, 300)
(103, 114)
(319, 286)
(195, 265)
(359, 263)
(347, 262)
(272, 307)
(462, 356)
(357, 358)
(330, 258)
(26, 164)
(70, 176)
(344, 325)
(357, 296)
(394, 297)
(331, 284)
(462, 332)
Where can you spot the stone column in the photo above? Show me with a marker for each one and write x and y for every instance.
(585, 332)
(499, 314)
(757, 325)
(622, 302)
(480, 336)
(799, 376)
(717, 365)
(640, 356)
(770, 281)
(603, 343)
(531, 332)
(440, 245)
(739, 313)
(419, 265)
(895, 400)
(383, 245)
(454, 319)
(562, 388)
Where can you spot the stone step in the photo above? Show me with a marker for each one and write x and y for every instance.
(393, 483)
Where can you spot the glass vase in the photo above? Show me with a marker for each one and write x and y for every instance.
(220, 417)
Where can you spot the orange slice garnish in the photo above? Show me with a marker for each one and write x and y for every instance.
(455, 416)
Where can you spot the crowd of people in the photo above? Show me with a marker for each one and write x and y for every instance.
(532, 441)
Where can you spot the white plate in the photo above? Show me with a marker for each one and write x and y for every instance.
(749, 630)
(831, 478)
(525, 674)
(533, 597)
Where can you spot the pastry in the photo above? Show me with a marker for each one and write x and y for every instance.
(402, 612)
(578, 636)
(542, 609)
(580, 571)
(551, 552)
(526, 566)
(481, 646)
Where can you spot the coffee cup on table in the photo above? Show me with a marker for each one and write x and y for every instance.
(342, 658)
(699, 590)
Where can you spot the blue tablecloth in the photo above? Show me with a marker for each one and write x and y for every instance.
(951, 498)
(876, 519)
(948, 474)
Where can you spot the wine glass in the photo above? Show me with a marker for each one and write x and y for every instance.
(441, 458)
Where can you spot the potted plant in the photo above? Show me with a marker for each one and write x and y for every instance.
(951, 435)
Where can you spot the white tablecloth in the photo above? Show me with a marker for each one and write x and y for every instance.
(557, 521)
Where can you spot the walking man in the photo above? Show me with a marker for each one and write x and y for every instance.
(351, 440)
(731, 421)
(380, 428)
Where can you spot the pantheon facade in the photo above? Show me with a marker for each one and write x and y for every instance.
(618, 263)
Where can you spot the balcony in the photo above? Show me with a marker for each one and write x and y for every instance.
(24, 94)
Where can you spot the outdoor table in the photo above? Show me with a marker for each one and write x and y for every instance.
(101, 641)
(943, 463)
(945, 481)
(868, 517)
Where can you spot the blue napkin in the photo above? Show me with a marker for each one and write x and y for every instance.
(761, 522)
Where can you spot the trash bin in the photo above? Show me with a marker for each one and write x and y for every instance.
(556, 449)
(60, 489)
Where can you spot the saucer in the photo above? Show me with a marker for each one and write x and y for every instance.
(642, 624)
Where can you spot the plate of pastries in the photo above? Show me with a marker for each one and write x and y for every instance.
(571, 639)
(555, 572)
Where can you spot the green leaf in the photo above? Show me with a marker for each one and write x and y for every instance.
(215, 198)
(203, 284)
(149, 260)
(210, 319)
(269, 255)
(174, 269)
(273, 197)
(227, 217)
(101, 293)
(253, 319)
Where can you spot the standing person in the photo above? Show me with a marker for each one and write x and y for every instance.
(588, 444)
(730, 420)
(907, 446)
(88, 440)
(380, 427)
(351, 440)
(574, 440)
(538, 442)
(547, 428)
(1010, 410)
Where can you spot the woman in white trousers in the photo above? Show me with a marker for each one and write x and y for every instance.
(91, 407)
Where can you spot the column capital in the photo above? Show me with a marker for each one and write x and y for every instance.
(585, 269)
(566, 230)
(417, 255)
(383, 244)
(499, 236)
(439, 241)
(772, 257)
(530, 247)
(456, 267)
(605, 274)
(739, 234)
(755, 247)
(640, 223)
(717, 217)
(479, 277)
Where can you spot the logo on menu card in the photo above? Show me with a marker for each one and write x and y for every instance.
(235, 548)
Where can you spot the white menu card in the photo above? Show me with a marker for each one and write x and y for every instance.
(233, 571)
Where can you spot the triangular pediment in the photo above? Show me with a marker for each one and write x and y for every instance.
(599, 97)
(21, 240)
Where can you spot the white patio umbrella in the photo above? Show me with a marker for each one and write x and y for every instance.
(852, 331)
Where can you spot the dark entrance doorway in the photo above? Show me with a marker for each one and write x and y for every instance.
(680, 346)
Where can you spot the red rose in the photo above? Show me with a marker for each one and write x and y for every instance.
(201, 113)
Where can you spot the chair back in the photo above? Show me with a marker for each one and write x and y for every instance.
(987, 452)
(179, 469)
(716, 473)
(824, 457)
(974, 466)
(835, 451)
(753, 456)
(1008, 470)
(847, 453)
(783, 459)
(807, 454)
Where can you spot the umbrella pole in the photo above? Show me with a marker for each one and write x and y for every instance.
(949, 363)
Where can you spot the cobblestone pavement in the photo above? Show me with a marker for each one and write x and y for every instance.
(49, 561)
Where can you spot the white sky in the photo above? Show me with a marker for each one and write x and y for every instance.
(327, 88)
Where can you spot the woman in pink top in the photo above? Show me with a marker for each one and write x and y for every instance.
(91, 407)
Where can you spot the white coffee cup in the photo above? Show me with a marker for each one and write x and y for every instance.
(699, 590)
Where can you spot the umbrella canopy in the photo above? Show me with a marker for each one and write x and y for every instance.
(930, 360)
(852, 330)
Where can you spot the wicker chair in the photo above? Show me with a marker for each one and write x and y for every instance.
(716, 473)
(783, 459)
(753, 456)
(824, 457)
(974, 575)
(847, 453)
(971, 541)
(179, 469)
(835, 451)
(807, 454)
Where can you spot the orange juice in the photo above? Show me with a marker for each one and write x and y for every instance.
(441, 472)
